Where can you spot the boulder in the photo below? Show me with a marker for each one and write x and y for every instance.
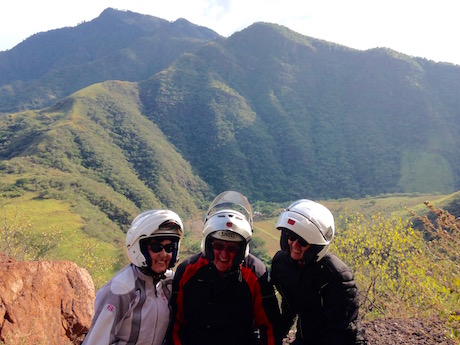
(44, 302)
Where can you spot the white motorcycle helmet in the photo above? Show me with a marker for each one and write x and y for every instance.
(151, 224)
(229, 218)
(312, 222)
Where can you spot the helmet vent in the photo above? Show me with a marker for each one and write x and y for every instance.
(329, 234)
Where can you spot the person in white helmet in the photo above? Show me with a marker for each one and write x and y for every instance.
(133, 307)
(222, 294)
(315, 285)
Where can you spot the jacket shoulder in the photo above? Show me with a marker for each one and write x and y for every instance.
(124, 281)
(280, 256)
(191, 261)
(337, 267)
(255, 264)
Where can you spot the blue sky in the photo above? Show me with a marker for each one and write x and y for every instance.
(423, 28)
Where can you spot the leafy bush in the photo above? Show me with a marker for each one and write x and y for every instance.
(19, 240)
(443, 251)
(398, 273)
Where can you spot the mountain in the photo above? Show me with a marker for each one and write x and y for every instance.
(118, 45)
(281, 116)
(96, 143)
(145, 113)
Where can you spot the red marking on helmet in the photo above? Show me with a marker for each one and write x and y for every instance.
(229, 224)
(110, 307)
(291, 221)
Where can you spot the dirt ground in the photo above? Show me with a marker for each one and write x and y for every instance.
(404, 332)
(407, 332)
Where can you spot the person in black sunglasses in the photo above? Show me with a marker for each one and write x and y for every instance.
(133, 307)
(315, 285)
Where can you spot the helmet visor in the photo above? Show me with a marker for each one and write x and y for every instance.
(231, 200)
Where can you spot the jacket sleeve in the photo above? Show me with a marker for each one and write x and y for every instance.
(262, 322)
(341, 304)
(110, 309)
(185, 271)
(265, 305)
(173, 302)
(340, 296)
(286, 319)
(271, 306)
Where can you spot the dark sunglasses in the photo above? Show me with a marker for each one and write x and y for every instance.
(157, 247)
(230, 248)
(292, 237)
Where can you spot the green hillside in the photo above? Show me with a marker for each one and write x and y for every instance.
(267, 111)
(146, 114)
(95, 152)
(273, 114)
(298, 117)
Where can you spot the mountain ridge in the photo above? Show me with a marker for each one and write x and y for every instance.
(267, 111)
(116, 45)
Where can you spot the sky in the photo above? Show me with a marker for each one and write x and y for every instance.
(419, 28)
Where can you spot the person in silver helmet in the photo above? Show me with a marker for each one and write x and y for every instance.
(222, 294)
(133, 307)
(315, 285)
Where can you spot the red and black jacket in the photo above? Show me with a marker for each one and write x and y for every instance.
(239, 308)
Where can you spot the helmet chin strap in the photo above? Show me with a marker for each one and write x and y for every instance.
(311, 254)
(156, 276)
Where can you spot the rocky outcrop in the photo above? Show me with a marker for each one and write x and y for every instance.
(51, 302)
(44, 302)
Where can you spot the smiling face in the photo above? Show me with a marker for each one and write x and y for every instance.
(224, 254)
(296, 249)
(159, 256)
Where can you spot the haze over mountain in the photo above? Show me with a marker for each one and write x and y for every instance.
(132, 112)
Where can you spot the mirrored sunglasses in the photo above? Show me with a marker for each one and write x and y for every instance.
(231, 248)
(157, 247)
(292, 237)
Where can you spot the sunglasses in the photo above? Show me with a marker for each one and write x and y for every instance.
(292, 237)
(157, 247)
(230, 248)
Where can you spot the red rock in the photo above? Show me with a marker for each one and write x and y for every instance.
(44, 302)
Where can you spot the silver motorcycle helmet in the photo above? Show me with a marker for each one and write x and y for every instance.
(153, 224)
(312, 222)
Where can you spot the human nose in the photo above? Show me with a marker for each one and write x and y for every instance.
(163, 252)
(224, 252)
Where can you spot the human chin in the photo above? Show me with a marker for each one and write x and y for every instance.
(160, 265)
(296, 253)
(223, 264)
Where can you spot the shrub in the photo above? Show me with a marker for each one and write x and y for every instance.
(398, 272)
(19, 240)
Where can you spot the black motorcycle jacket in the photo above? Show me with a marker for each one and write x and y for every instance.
(323, 295)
